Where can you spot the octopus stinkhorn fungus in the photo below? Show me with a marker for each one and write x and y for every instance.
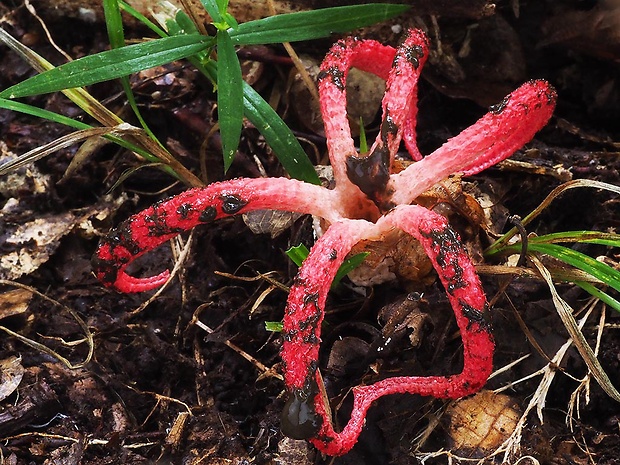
(368, 201)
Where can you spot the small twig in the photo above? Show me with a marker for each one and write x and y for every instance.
(516, 220)
(253, 360)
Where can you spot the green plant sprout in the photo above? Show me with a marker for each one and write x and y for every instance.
(183, 39)
(300, 252)
(595, 271)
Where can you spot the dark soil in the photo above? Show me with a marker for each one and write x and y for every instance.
(162, 389)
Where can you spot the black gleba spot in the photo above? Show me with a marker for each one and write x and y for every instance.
(299, 419)
(231, 204)
(208, 214)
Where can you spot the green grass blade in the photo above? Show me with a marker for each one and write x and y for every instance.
(297, 254)
(41, 113)
(300, 252)
(602, 296)
(110, 64)
(229, 96)
(589, 237)
(61, 119)
(278, 136)
(143, 19)
(114, 24)
(213, 9)
(275, 131)
(274, 326)
(306, 25)
(363, 141)
(349, 265)
(599, 270)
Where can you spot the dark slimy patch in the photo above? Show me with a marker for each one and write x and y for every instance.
(476, 316)
(299, 420)
(231, 204)
(370, 173)
(499, 107)
(448, 246)
(412, 54)
(121, 237)
(208, 214)
(184, 210)
(157, 222)
(336, 75)
(388, 127)
(312, 298)
(311, 321)
(105, 270)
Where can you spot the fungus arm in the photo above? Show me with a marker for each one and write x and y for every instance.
(401, 68)
(305, 313)
(497, 135)
(168, 218)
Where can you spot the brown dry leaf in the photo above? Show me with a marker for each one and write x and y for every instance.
(481, 423)
(11, 374)
(398, 255)
(402, 317)
(25, 179)
(28, 246)
(14, 302)
(273, 222)
(344, 352)
(31, 244)
(66, 455)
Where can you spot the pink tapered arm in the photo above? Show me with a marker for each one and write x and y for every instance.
(306, 414)
(493, 138)
(168, 218)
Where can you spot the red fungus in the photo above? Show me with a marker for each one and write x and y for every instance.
(367, 202)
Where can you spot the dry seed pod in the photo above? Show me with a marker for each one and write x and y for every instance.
(481, 423)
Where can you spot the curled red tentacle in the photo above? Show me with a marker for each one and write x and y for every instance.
(371, 171)
(493, 138)
(304, 315)
(401, 68)
(167, 218)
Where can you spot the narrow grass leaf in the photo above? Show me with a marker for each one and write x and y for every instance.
(601, 295)
(589, 237)
(213, 9)
(114, 23)
(349, 265)
(140, 17)
(51, 147)
(61, 119)
(581, 261)
(110, 64)
(41, 113)
(275, 131)
(363, 141)
(278, 136)
(297, 254)
(501, 243)
(229, 96)
(306, 25)
(566, 315)
(274, 326)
